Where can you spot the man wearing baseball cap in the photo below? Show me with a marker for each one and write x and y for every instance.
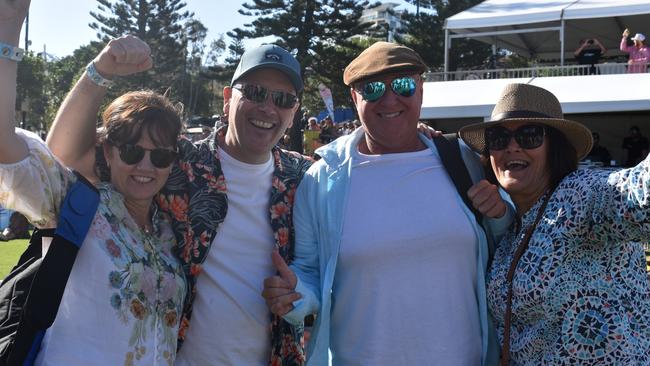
(230, 198)
(386, 251)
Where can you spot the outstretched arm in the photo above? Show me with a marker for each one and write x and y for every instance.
(72, 136)
(12, 15)
(623, 46)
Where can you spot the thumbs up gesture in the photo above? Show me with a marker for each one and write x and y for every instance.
(279, 290)
(486, 199)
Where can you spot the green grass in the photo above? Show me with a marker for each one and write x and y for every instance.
(10, 251)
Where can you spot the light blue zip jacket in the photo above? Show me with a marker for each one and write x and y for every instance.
(318, 219)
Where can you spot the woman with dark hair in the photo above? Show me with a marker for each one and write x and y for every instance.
(122, 301)
(639, 52)
(568, 283)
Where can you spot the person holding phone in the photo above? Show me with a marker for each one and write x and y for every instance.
(589, 53)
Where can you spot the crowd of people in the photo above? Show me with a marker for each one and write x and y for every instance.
(216, 251)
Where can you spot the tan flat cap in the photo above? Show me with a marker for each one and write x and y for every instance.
(382, 58)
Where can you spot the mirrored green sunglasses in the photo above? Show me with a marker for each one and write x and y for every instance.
(403, 86)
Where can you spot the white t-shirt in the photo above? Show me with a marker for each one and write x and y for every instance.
(404, 291)
(230, 321)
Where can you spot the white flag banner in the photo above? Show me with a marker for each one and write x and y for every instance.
(326, 95)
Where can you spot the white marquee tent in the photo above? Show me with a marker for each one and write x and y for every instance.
(577, 94)
(548, 29)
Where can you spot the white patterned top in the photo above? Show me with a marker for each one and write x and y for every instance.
(581, 294)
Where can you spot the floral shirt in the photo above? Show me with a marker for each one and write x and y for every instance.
(195, 196)
(122, 301)
(580, 291)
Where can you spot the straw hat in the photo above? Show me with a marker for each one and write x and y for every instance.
(523, 102)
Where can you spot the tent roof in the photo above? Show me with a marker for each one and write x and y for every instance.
(496, 13)
(602, 19)
(577, 94)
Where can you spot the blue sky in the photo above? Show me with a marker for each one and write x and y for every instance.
(62, 25)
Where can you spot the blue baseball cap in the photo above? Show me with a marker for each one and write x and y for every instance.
(273, 56)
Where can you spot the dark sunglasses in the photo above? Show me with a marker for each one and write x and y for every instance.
(403, 86)
(133, 154)
(258, 94)
(527, 137)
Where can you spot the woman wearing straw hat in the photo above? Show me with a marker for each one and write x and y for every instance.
(568, 283)
(639, 52)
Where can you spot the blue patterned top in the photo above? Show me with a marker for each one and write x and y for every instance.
(580, 291)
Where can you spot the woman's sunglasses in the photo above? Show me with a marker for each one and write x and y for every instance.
(372, 91)
(133, 154)
(527, 137)
(259, 94)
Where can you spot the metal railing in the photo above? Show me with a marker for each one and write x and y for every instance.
(527, 72)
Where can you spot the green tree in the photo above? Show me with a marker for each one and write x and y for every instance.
(31, 101)
(425, 34)
(63, 73)
(160, 23)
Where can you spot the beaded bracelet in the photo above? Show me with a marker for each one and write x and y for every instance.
(11, 52)
(96, 78)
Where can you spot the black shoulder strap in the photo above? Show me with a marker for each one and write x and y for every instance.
(76, 215)
(450, 154)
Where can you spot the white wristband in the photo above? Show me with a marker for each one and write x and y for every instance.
(11, 52)
(96, 78)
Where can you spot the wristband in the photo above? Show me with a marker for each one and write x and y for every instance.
(11, 52)
(96, 78)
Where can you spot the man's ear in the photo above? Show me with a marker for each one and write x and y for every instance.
(354, 96)
(227, 95)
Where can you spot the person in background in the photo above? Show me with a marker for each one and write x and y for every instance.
(122, 302)
(588, 53)
(639, 52)
(328, 132)
(17, 228)
(285, 141)
(296, 137)
(636, 145)
(4, 217)
(598, 152)
(395, 279)
(568, 284)
(230, 199)
(311, 136)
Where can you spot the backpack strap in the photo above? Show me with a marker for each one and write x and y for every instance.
(449, 151)
(76, 214)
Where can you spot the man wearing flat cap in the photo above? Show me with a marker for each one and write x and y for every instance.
(230, 199)
(387, 253)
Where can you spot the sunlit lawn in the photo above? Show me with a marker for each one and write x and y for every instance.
(10, 251)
